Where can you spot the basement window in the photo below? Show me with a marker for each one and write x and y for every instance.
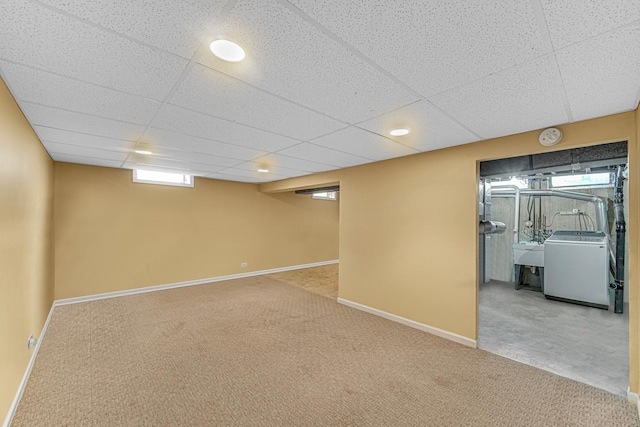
(326, 195)
(162, 178)
(518, 182)
(581, 180)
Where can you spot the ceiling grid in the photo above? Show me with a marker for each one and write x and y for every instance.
(322, 84)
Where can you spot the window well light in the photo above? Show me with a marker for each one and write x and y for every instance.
(399, 132)
(227, 50)
(143, 152)
(263, 170)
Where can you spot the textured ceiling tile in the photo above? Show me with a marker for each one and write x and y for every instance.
(36, 36)
(194, 144)
(140, 159)
(68, 158)
(82, 139)
(516, 100)
(293, 59)
(191, 21)
(275, 172)
(363, 143)
(307, 151)
(150, 167)
(236, 178)
(75, 150)
(430, 128)
(293, 163)
(49, 89)
(219, 95)
(188, 122)
(186, 156)
(78, 122)
(602, 75)
(434, 45)
(252, 174)
(571, 21)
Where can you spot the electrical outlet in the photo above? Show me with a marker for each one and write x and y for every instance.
(243, 265)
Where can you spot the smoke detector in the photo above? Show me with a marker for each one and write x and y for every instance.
(549, 137)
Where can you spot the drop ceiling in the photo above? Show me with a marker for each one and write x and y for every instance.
(322, 85)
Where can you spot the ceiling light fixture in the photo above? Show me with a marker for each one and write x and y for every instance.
(263, 170)
(399, 132)
(227, 50)
(143, 152)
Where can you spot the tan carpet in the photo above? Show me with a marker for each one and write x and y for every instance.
(259, 352)
(321, 280)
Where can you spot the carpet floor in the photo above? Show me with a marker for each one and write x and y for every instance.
(320, 280)
(259, 352)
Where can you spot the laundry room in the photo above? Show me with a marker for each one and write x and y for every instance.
(553, 262)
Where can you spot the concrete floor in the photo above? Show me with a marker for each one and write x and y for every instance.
(586, 344)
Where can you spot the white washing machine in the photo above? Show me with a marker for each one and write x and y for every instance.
(576, 267)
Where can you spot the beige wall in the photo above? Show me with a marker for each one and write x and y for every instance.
(26, 251)
(408, 226)
(113, 234)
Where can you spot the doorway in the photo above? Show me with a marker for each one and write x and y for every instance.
(535, 302)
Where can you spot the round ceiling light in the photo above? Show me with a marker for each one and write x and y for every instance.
(227, 50)
(399, 132)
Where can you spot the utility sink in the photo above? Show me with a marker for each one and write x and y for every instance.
(529, 253)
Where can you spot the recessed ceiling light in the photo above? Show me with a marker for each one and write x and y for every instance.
(143, 152)
(263, 170)
(227, 50)
(399, 132)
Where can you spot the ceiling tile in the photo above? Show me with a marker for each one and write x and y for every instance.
(517, 100)
(191, 21)
(219, 95)
(28, 84)
(363, 143)
(201, 125)
(165, 138)
(433, 45)
(599, 73)
(186, 156)
(130, 165)
(83, 140)
(306, 66)
(252, 175)
(37, 36)
(307, 151)
(76, 150)
(571, 21)
(278, 172)
(157, 162)
(68, 158)
(235, 178)
(293, 163)
(77, 122)
(430, 128)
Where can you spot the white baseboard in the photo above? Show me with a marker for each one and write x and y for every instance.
(16, 400)
(635, 399)
(25, 378)
(421, 326)
(187, 283)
